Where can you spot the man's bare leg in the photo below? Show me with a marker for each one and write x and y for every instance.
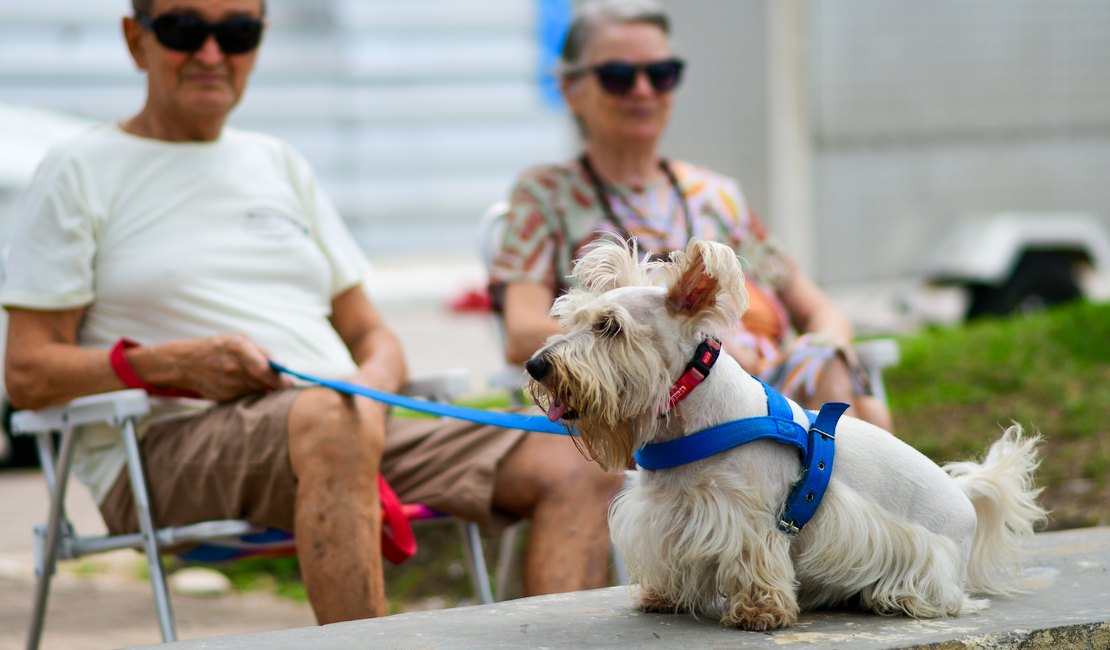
(335, 447)
(567, 498)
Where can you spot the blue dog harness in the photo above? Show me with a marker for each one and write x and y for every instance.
(817, 445)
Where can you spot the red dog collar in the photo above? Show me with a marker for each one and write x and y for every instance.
(696, 371)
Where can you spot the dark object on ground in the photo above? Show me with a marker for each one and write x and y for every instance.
(1041, 279)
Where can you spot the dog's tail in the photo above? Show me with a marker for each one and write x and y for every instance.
(1001, 489)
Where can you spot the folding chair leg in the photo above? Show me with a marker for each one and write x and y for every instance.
(618, 567)
(506, 558)
(476, 558)
(53, 532)
(150, 540)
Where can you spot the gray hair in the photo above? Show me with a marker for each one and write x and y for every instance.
(594, 14)
(144, 7)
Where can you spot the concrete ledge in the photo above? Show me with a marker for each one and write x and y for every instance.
(1066, 605)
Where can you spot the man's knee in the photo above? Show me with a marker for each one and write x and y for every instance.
(335, 431)
(566, 468)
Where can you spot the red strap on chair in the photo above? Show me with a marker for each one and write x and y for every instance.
(398, 542)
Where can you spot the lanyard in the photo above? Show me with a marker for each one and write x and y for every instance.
(606, 207)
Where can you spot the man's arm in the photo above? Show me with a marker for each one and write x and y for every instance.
(45, 366)
(373, 345)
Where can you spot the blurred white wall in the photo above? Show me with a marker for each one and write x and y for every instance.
(898, 117)
(914, 115)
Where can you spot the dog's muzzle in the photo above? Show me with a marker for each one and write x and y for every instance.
(538, 367)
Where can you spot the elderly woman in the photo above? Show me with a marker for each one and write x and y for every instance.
(618, 76)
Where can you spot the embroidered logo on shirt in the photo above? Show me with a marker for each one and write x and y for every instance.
(274, 225)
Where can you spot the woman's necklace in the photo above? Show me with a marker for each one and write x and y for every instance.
(607, 208)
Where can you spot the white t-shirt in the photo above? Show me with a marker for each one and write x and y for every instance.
(164, 241)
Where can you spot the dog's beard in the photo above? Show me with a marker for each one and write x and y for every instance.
(606, 404)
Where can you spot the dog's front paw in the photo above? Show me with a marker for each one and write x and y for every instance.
(650, 601)
(769, 613)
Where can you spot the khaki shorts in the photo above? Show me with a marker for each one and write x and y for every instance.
(232, 462)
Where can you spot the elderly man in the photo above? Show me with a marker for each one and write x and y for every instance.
(171, 252)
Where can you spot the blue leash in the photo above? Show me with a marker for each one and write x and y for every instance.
(536, 423)
(816, 444)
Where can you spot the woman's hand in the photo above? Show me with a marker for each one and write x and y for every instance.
(742, 347)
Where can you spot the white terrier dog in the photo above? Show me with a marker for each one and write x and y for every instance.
(726, 535)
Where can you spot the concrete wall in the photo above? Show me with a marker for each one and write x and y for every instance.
(915, 114)
(924, 113)
(897, 118)
(720, 113)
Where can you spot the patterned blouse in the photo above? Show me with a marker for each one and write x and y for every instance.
(554, 214)
(554, 204)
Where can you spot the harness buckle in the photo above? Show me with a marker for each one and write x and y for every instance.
(789, 528)
(825, 435)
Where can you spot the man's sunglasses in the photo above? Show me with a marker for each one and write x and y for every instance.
(618, 78)
(185, 33)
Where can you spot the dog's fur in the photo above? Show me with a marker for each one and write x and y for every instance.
(895, 534)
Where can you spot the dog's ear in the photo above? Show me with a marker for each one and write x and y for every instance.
(706, 281)
(609, 262)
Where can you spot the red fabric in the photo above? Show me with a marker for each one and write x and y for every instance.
(762, 316)
(472, 300)
(122, 367)
(398, 542)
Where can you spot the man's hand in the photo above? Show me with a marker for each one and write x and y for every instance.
(219, 368)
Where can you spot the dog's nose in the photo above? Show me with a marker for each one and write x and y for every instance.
(537, 367)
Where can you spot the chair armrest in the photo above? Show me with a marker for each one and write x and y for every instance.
(440, 386)
(510, 377)
(877, 353)
(117, 406)
(874, 355)
(113, 407)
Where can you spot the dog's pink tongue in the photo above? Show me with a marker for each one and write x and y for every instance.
(556, 410)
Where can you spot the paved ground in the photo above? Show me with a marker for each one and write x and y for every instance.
(1065, 604)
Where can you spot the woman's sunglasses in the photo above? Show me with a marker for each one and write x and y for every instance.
(618, 78)
(185, 33)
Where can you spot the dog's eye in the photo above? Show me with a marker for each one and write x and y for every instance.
(607, 326)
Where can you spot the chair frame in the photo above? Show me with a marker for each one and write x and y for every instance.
(57, 540)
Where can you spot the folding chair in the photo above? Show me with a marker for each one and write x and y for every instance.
(491, 229)
(216, 540)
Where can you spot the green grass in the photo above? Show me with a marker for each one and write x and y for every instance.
(953, 392)
(956, 388)
(280, 575)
